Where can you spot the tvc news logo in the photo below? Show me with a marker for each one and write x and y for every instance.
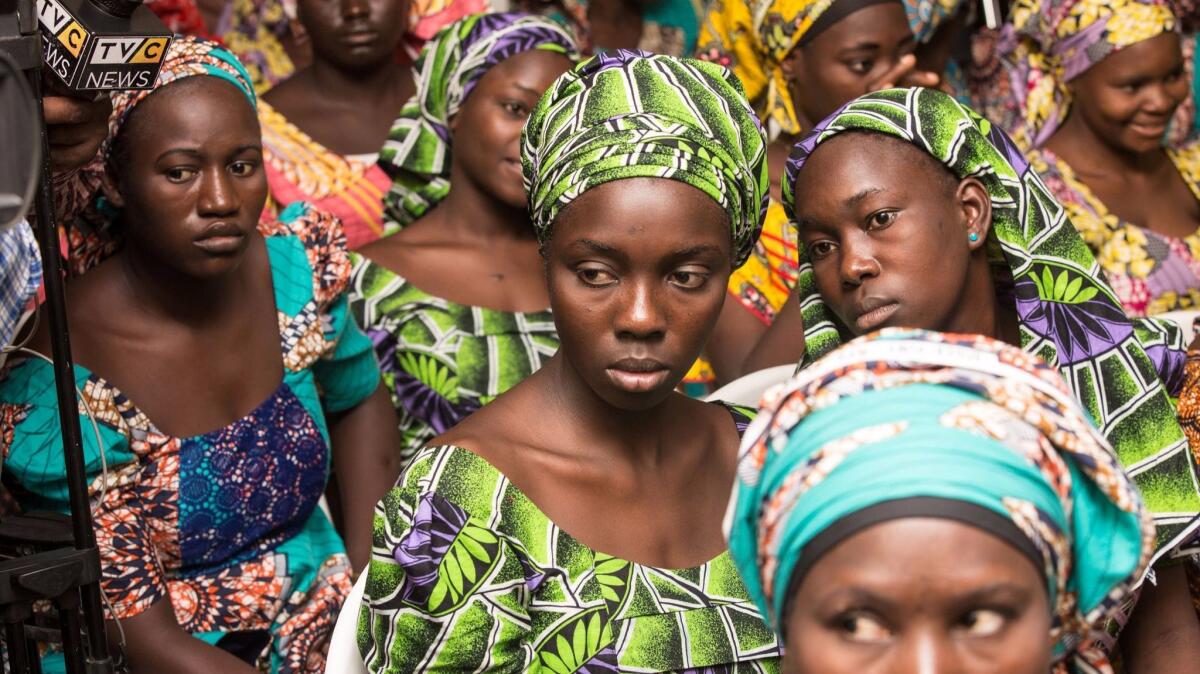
(90, 51)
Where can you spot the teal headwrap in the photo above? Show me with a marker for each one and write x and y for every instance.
(634, 115)
(906, 416)
(186, 57)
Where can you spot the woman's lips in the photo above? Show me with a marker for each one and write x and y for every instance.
(221, 245)
(1149, 130)
(360, 38)
(636, 375)
(875, 317)
(221, 238)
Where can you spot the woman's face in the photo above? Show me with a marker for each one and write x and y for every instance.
(637, 270)
(845, 60)
(190, 181)
(1129, 97)
(920, 596)
(887, 229)
(354, 34)
(490, 122)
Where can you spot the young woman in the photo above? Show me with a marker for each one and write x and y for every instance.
(223, 373)
(323, 127)
(923, 502)
(455, 301)
(896, 175)
(574, 523)
(1110, 76)
(799, 60)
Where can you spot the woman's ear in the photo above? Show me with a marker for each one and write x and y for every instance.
(108, 185)
(976, 207)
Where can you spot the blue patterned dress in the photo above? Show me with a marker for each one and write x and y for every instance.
(225, 525)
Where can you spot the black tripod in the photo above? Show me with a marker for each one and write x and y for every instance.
(57, 559)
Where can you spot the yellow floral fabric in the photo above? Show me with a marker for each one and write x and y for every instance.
(752, 38)
(1055, 41)
(1151, 273)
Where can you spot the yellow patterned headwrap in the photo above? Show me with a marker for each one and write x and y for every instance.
(752, 38)
(1055, 41)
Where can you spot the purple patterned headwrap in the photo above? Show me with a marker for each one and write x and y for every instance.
(417, 152)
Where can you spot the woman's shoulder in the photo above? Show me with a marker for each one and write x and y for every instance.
(308, 255)
(461, 481)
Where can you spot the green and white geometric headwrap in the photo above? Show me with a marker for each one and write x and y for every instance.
(635, 115)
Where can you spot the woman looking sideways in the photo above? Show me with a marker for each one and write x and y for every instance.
(799, 60)
(1110, 77)
(933, 503)
(455, 300)
(898, 175)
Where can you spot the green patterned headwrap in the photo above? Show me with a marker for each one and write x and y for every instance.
(635, 115)
(417, 151)
(906, 423)
(1123, 371)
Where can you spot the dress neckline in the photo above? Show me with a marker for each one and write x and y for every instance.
(598, 555)
(359, 261)
(1074, 182)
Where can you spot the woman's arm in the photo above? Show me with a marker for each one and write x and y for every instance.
(366, 463)
(783, 342)
(154, 643)
(1163, 635)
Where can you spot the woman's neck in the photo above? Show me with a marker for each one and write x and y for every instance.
(982, 313)
(163, 291)
(1087, 152)
(367, 86)
(472, 212)
(637, 437)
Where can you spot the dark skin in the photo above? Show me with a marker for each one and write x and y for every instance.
(76, 128)
(870, 208)
(633, 305)
(1113, 136)
(481, 229)
(193, 280)
(920, 596)
(868, 50)
(349, 96)
(869, 233)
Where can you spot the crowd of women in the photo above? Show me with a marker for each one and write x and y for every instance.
(429, 294)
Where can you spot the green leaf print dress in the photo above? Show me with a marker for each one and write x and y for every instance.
(468, 575)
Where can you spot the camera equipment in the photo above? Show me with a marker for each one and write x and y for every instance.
(102, 45)
(90, 45)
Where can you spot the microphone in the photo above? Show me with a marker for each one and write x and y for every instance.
(102, 45)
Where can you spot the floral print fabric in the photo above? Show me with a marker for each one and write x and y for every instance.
(224, 525)
(1151, 273)
(442, 360)
(902, 415)
(467, 574)
(1123, 371)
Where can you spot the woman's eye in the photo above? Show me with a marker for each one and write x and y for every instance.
(820, 249)
(862, 67)
(593, 276)
(883, 219)
(689, 280)
(863, 627)
(515, 109)
(983, 623)
(242, 168)
(178, 175)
